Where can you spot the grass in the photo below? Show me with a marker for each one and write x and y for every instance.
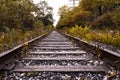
(15, 37)
(107, 36)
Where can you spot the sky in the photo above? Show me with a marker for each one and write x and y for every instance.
(55, 4)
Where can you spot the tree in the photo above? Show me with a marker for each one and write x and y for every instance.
(44, 13)
(63, 10)
(98, 13)
(81, 18)
(16, 14)
(115, 16)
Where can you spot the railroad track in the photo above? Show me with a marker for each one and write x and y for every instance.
(56, 57)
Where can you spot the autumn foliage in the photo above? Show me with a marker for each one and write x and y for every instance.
(97, 13)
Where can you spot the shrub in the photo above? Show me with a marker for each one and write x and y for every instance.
(103, 36)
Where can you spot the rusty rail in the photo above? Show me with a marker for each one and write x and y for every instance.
(9, 55)
(107, 55)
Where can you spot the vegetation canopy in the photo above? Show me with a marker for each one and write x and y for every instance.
(22, 20)
(97, 13)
